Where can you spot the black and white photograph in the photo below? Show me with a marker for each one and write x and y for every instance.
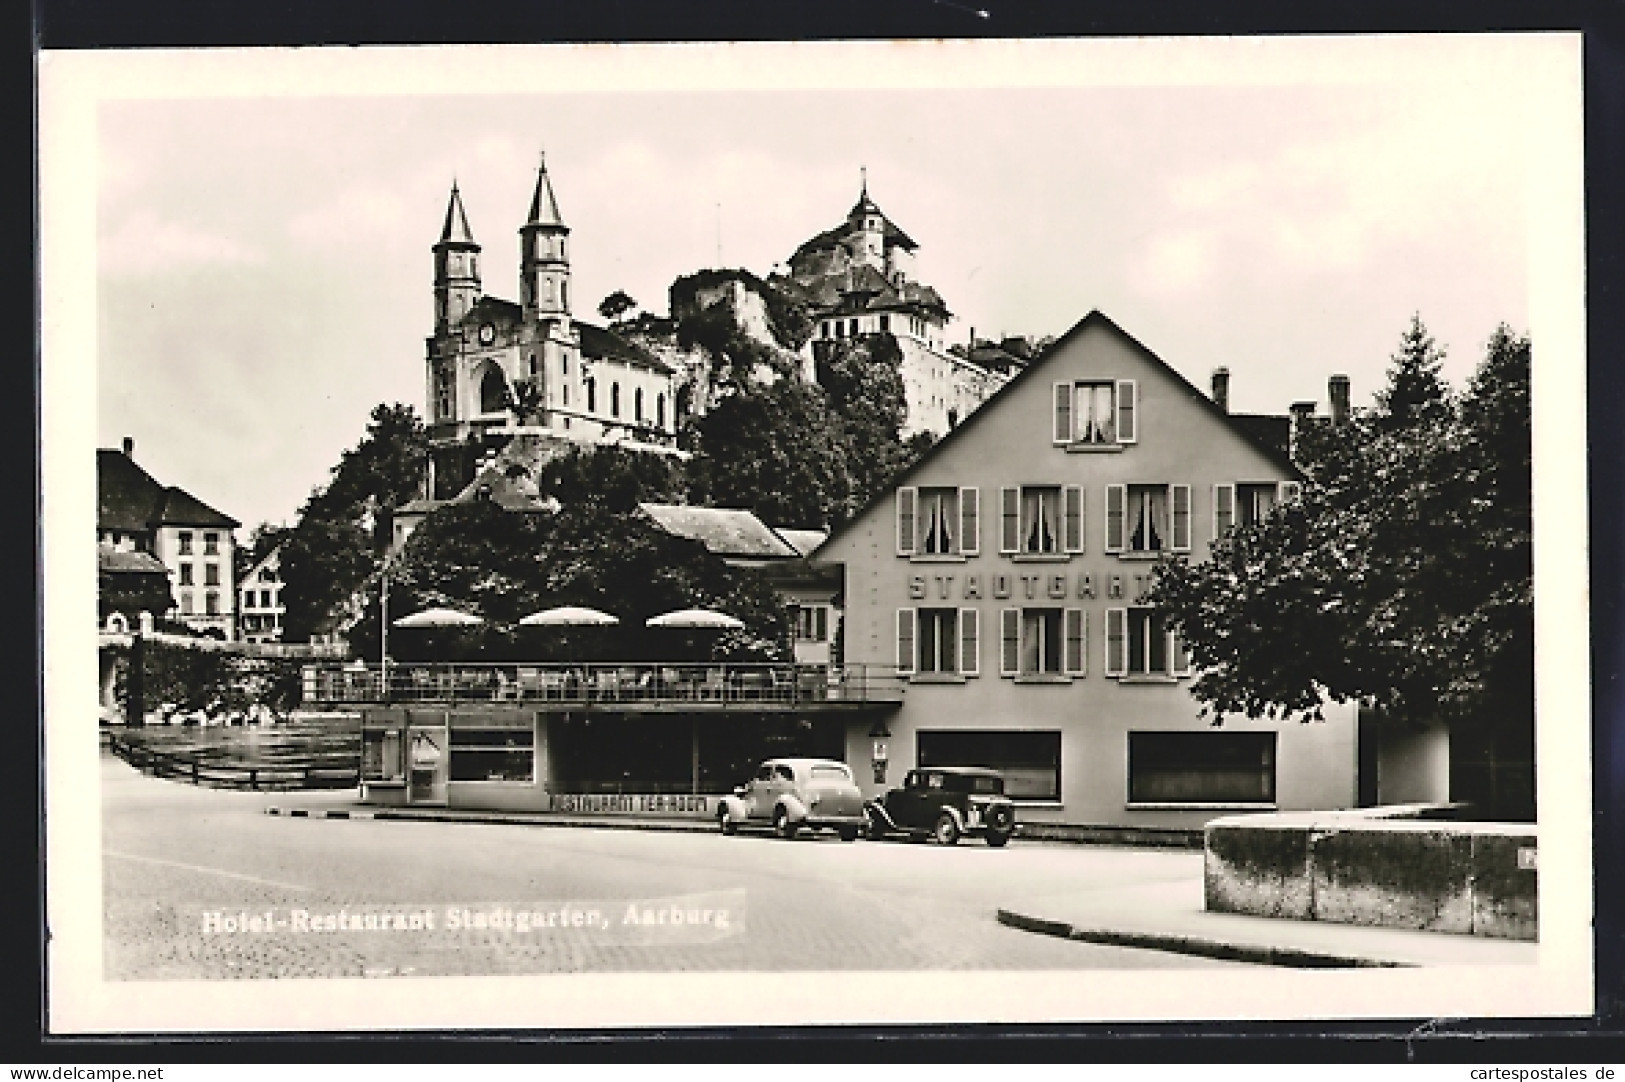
(815, 533)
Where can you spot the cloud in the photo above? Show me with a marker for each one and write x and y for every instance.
(147, 244)
(358, 213)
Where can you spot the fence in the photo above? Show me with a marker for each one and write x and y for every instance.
(214, 767)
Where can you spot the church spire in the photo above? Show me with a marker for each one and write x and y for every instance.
(544, 209)
(456, 230)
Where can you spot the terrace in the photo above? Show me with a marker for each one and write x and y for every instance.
(645, 687)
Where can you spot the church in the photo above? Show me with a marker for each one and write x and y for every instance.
(498, 370)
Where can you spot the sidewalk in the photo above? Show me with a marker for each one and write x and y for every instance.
(344, 806)
(1169, 916)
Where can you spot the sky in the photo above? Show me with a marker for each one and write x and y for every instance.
(263, 270)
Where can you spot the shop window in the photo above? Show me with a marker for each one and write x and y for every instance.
(381, 758)
(211, 544)
(1042, 642)
(1041, 520)
(493, 755)
(1143, 520)
(186, 574)
(1141, 642)
(1030, 760)
(1201, 768)
(937, 521)
(1096, 413)
(183, 543)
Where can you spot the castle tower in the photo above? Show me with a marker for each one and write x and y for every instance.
(456, 267)
(868, 228)
(544, 259)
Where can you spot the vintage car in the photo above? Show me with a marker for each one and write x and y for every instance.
(945, 803)
(795, 794)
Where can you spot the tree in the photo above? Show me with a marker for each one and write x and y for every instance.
(1400, 579)
(344, 529)
(862, 378)
(616, 305)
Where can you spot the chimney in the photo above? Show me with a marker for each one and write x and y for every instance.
(129, 446)
(1221, 388)
(1337, 389)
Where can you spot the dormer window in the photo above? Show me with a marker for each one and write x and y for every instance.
(1096, 413)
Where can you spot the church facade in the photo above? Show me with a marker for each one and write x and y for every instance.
(496, 369)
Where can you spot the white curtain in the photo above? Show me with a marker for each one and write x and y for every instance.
(1094, 413)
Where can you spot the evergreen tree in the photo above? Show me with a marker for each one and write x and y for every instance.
(1416, 392)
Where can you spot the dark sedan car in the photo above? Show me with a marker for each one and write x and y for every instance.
(945, 803)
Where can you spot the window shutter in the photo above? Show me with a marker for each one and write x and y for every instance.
(1009, 641)
(1009, 519)
(1288, 490)
(905, 641)
(1116, 641)
(1224, 509)
(1116, 504)
(969, 641)
(970, 526)
(1180, 653)
(1063, 413)
(1181, 500)
(1128, 412)
(906, 498)
(1077, 624)
(1072, 515)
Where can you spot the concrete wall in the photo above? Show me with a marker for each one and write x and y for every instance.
(1361, 868)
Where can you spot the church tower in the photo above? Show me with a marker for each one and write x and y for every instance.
(456, 267)
(544, 259)
(868, 229)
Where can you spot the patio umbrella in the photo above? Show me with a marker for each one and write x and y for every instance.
(438, 618)
(696, 618)
(569, 616)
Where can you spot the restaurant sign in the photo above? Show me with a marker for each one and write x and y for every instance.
(657, 805)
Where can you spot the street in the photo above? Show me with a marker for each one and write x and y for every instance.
(200, 883)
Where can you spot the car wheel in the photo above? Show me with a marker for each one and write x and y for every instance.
(782, 826)
(849, 834)
(725, 820)
(997, 838)
(947, 830)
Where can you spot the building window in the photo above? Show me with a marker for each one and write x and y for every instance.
(382, 757)
(1030, 760)
(614, 399)
(186, 574)
(442, 393)
(637, 405)
(812, 623)
(592, 395)
(1148, 519)
(211, 604)
(493, 755)
(211, 544)
(660, 410)
(937, 640)
(265, 599)
(186, 602)
(211, 574)
(564, 363)
(937, 521)
(885, 323)
(1201, 768)
(183, 543)
(565, 391)
(1141, 643)
(1043, 642)
(564, 287)
(1097, 413)
(1041, 520)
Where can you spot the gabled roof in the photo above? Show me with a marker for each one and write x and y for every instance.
(724, 531)
(1095, 318)
(495, 309)
(113, 562)
(803, 541)
(597, 342)
(456, 231)
(130, 500)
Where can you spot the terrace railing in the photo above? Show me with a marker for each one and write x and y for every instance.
(649, 683)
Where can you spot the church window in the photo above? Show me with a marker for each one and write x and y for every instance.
(565, 390)
(564, 363)
(493, 391)
(442, 393)
(660, 411)
(564, 295)
(614, 399)
(592, 395)
(547, 289)
(533, 364)
(637, 404)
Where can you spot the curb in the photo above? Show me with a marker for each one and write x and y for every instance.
(691, 826)
(1289, 957)
(328, 813)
